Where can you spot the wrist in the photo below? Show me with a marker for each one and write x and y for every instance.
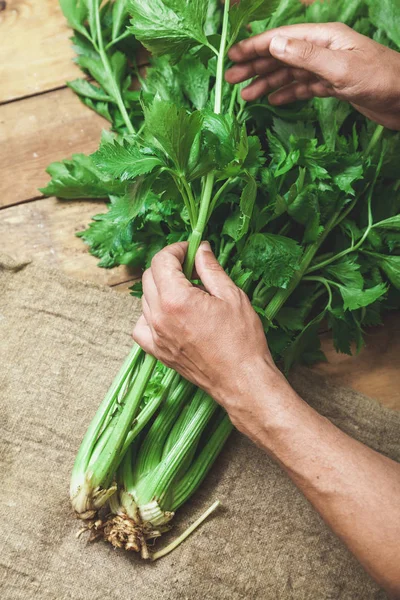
(258, 400)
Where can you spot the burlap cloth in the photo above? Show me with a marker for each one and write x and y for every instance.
(61, 344)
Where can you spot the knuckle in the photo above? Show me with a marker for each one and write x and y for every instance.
(157, 258)
(146, 275)
(158, 324)
(340, 76)
(341, 27)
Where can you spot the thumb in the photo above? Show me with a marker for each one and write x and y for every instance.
(323, 62)
(210, 272)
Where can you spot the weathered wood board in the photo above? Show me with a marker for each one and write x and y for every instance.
(37, 131)
(36, 53)
(45, 230)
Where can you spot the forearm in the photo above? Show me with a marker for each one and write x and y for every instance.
(355, 489)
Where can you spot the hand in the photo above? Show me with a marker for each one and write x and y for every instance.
(212, 337)
(329, 59)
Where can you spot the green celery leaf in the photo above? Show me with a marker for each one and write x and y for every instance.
(391, 266)
(118, 62)
(345, 330)
(306, 348)
(195, 81)
(291, 319)
(169, 26)
(385, 15)
(84, 88)
(174, 130)
(120, 13)
(349, 175)
(124, 160)
(275, 258)
(245, 11)
(354, 298)
(111, 235)
(347, 272)
(80, 178)
(237, 225)
(390, 223)
(304, 209)
(331, 115)
(300, 130)
(75, 11)
(164, 81)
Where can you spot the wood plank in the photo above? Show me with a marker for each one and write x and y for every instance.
(37, 131)
(36, 53)
(45, 230)
(375, 372)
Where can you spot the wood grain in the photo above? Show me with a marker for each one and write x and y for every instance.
(36, 53)
(37, 131)
(45, 230)
(375, 372)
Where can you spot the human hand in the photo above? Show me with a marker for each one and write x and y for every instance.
(212, 337)
(299, 62)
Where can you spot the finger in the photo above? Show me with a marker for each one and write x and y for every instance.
(146, 311)
(143, 336)
(299, 91)
(150, 292)
(167, 269)
(322, 34)
(263, 85)
(330, 65)
(211, 274)
(259, 66)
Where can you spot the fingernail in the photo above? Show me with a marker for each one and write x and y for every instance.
(278, 44)
(205, 246)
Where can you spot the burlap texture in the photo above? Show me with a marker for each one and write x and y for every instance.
(61, 344)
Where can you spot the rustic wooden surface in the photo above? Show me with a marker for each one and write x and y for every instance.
(36, 54)
(40, 123)
(39, 130)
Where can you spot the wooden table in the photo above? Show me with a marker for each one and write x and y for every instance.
(42, 121)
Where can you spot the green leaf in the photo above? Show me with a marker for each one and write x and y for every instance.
(391, 266)
(174, 130)
(120, 13)
(195, 81)
(299, 130)
(118, 62)
(291, 319)
(111, 235)
(75, 11)
(80, 178)
(237, 225)
(347, 272)
(347, 177)
(354, 298)
(390, 223)
(169, 26)
(245, 11)
(331, 114)
(84, 88)
(275, 258)
(345, 331)
(385, 15)
(124, 160)
(306, 347)
(304, 209)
